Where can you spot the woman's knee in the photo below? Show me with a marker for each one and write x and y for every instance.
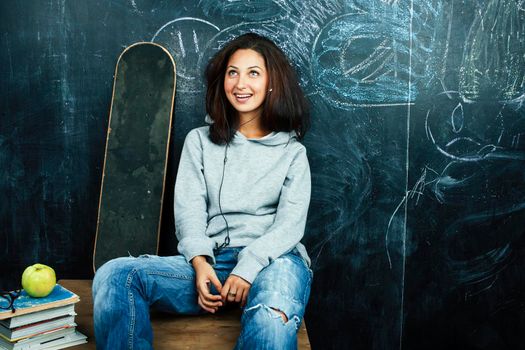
(113, 273)
(288, 272)
(285, 319)
(263, 326)
(263, 316)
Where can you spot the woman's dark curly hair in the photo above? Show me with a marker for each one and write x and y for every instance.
(284, 109)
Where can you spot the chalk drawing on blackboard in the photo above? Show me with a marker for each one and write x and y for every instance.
(303, 13)
(475, 149)
(134, 6)
(390, 2)
(185, 38)
(295, 50)
(477, 245)
(474, 141)
(293, 27)
(357, 63)
(387, 249)
(141, 7)
(458, 136)
(517, 102)
(341, 189)
(446, 47)
(362, 57)
(480, 184)
(412, 197)
(493, 64)
(475, 267)
(457, 118)
(247, 10)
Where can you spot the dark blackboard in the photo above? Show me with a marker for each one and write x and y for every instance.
(416, 227)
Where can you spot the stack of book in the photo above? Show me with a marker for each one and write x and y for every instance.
(40, 323)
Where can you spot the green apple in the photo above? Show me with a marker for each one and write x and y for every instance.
(38, 280)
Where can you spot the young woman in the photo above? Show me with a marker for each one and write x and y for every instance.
(241, 199)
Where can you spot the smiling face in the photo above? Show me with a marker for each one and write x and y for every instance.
(246, 83)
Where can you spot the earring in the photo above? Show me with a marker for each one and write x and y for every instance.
(270, 90)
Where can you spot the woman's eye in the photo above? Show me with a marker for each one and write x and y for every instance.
(254, 73)
(232, 73)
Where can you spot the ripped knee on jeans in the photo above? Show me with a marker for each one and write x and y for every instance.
(275, 310)
(285, 319)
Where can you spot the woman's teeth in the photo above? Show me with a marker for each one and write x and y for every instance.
(242, 96)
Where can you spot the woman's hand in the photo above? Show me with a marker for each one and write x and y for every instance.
(204, 275)
(235, 289)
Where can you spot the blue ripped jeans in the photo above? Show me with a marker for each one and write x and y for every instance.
(124, 289)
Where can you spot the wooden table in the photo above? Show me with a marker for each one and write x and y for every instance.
(170, 331)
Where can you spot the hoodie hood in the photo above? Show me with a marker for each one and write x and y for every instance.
(272, 139)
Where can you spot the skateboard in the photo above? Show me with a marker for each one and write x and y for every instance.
(138, 137)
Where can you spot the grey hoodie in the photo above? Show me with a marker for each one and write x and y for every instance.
(265, 197)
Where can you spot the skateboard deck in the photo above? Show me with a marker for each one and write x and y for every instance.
(133, 177)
